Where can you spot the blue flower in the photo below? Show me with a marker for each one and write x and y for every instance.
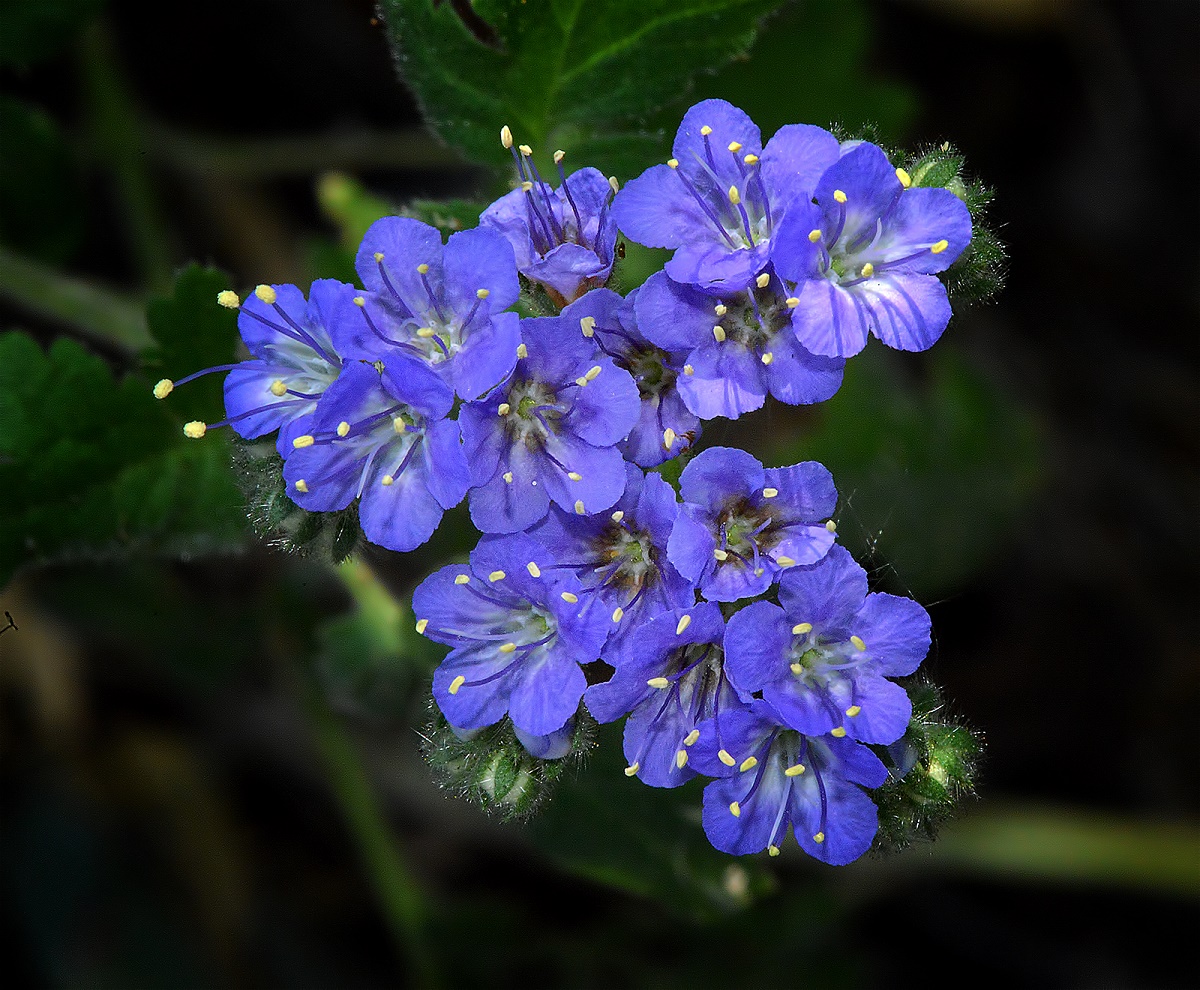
(742, 524)
(770, 776)
(717, 201)
(564, 238)
(381, 438)
(550, 432)
(669, 679)
(739, 345)
(823, 656)
(442, 304)
(665, 426)
(620, 559)
(296, 355)
(518, 635)
(864, 257)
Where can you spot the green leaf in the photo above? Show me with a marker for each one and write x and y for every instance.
(586, 77)
(94, 468)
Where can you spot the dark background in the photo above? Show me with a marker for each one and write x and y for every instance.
(166, 820)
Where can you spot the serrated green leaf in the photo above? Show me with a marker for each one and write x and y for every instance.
(588, 78)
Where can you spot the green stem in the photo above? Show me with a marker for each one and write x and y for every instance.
(395, 888)
(95, 312)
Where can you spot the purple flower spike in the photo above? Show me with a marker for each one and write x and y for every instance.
(383, 440)
(770, 777)
(741, 524)
(823, 659)
(442, 304)
(739, 346)
(549, 433)
(669, 679)
(564, 238)
(620, 559)
(518, 638)
(865, 255)
(717, 201)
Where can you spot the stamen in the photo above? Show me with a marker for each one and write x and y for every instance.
(735, 809)
(691, 737)
(569, 597)
(939, 247)
(668, 438)
(770, 492)
(503, 409)
(659, 682)
(688, 370)
(457, 683)
(301, 485)
(831, 526)
(858, 643)
(164, 388)
(681, 758)
(617, 516)
(838, 732)
(795, 770)
(719, 334)
(506, 138)
(579, 509)
(839, 196)
(497, 576)
(522, 351)
(853, 710)
(195, 429)
(768, 357)
(228, 298)
(462, 578)
(632, 769)
(749, 763)
(422, 624)
(618, 614)
(801, 628)
(904, 177)
(588, 325)
(763, 280)
(533, 569)
(684, 621)
(724, 757)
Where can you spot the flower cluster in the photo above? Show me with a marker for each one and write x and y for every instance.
(720, 619)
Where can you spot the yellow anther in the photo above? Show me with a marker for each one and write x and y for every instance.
(839, 196)
(659, 683)
(618, 614)
(795, 770)
(853, 710)
(462, 578)
(945, 146)
(904, 177)
(278, 388)
(497, 576)
(301, 485)
(613, 184)
(800, 628)
(749, 763)
(719, 333)
(503, 409)
(770, 492)
(533, 569)
(506, 137)
(750, 159)
(759, 571)
(593, 373)
(526, 186)
(569, 597)
(668, 438)
(939, 247)
(266, 294)
(360, 300)
(691, 737)
(868, 270)
(735, 809)
(422, 269)
(838, 732)
(379, 256)
(617, 516)
(763, 280)
(575, 476)
(305, 441)
(398, 424)
(426, 332)
(772, 850)
(579, 509)
(164, 388)
(387, 481)
(632, 769)
(819, 837)
(724, 757)
(581, 381)
(688, 370)
(455, 684)
(720, 309)
(673, 162)
(767, 358)
(797, 668)
(684, 621)
(228, 298)
(482, 293)
(587, 325)
(706, 130)
(858, 643)
(681, 758)
(508, 477)
(735, 146)
(525, 150)
(814, 235)
(735, 197)
(522, 351)
(559, 156)
(721, 554)
(422, 624)
(507, 647)
(343, 429)
(831, 526)
(784, 561)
